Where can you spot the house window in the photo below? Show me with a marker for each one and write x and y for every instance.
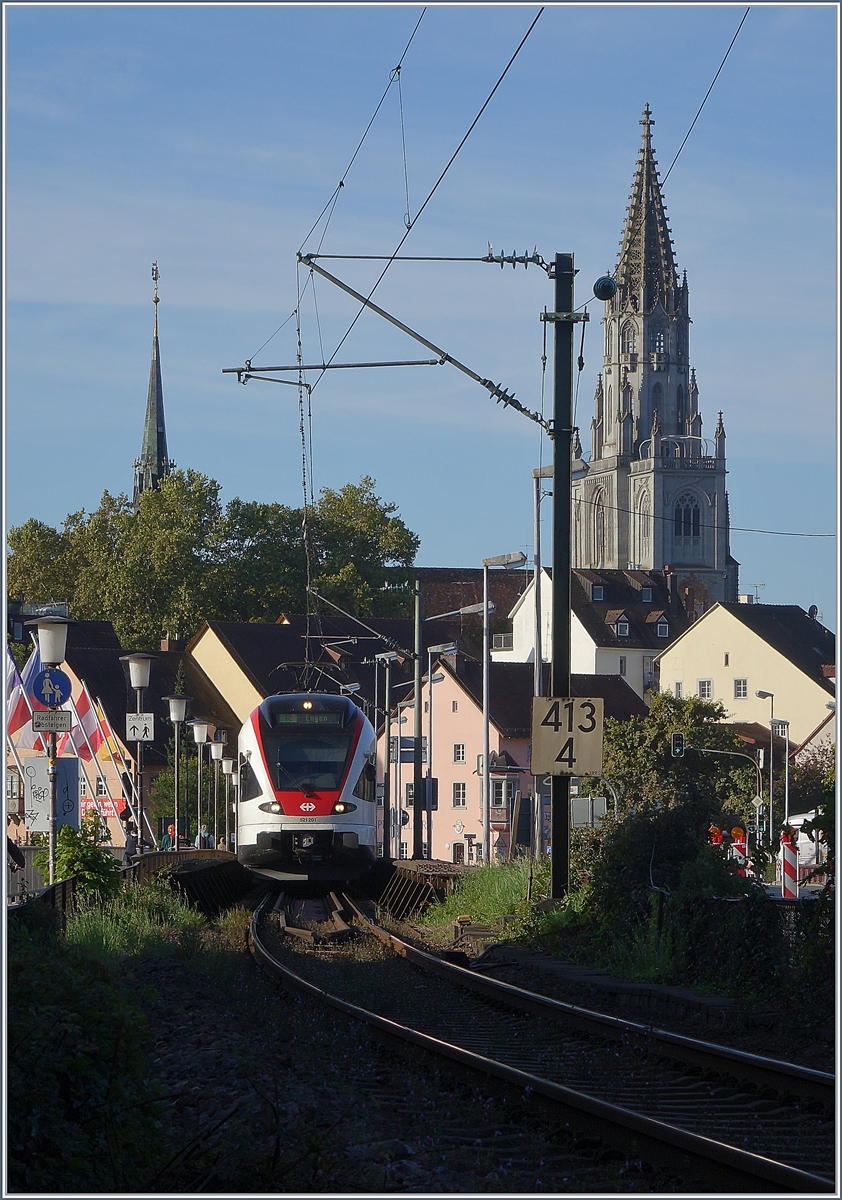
(646, 595)
(502, 641)
(478, 852)
(14, 787)
(100, 786)
(458, 852)
(404, 850)
(740, 689)
(460, 795)
(648, 670)
(679, 690)
(663, 629)
(726, 658)
(426, 706)
(410, 794)
(458, 751)
(83, 787)
(502, 792)
(454, 705)
(622, 664)
(596, 592)
(622, 629)
(705, 689)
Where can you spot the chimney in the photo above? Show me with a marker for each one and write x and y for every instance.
(169, 643)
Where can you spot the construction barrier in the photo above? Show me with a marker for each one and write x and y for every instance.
(789, 866)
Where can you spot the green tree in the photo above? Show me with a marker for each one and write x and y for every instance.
(182, 558)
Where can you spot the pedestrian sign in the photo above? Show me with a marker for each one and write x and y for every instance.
(140, 727)
(51, 688)
(567, 735)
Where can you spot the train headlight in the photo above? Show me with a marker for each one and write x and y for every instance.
(344, 806)
(307, 705)
(271, 806)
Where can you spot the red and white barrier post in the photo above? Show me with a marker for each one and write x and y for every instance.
(789, 865)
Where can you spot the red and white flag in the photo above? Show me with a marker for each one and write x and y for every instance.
(87, 724)
(17, 710)
(19, 720)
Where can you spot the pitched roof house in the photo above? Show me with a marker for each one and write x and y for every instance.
(735, 650)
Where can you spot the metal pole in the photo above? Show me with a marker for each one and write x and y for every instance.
(562, 482)
(428, 797)
(387, 765)
(771, 760)
(215, 802)
(52, 771)
(486, 734)
(227, 814)
(176, 764)
(139, 709)
(199, 746)
(418, 772)
(786, 776)
(536, 583)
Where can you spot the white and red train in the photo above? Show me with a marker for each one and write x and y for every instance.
(307, 804)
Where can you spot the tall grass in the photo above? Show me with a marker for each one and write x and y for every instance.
(148, 917)
(490, 892)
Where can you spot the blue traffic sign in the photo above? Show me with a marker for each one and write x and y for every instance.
(51, 687)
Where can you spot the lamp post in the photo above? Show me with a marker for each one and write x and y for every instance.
(770, 696)
(140, 666)
(200, 736)
(782, 730)
(235, 783)
(508, 562)
(52, 644)
(444, 648)
(217, 749)
(227, 771)
(387, 658)
(178, 711)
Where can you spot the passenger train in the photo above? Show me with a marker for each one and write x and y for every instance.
(307, 805)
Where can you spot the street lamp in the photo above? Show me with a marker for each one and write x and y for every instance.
(387, 658)
(508, 562)
(140, 667)
(770, 696)
(235, 783)
(781, 728)
(444, 648)
(52, 644)
(227, 771)
(217, 748)
(178, 711)
(200, 736)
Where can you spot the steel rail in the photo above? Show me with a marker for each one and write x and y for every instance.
(692, 1152)
(768, 1072)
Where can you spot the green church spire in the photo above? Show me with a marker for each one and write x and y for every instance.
(153, 464)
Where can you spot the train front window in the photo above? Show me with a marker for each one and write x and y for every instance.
(308, 759)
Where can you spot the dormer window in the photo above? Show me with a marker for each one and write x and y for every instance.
(663, 629)
(622, 627)
(597, 592)
(646, 595)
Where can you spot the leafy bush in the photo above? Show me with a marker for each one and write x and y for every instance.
(84, 855)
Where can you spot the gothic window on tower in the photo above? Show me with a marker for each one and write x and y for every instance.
(629, 339)
(658, 398)
(644, 524)
(679, 404)
(659, 341)
(687, 518)
(608, 341)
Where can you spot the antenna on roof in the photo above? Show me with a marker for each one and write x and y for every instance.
(757, 587)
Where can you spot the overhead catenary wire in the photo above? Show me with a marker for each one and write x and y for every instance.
(702, 524)
(435, 187)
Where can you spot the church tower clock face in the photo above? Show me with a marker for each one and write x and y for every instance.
(652, 492)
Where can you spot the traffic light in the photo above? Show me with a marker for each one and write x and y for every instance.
(678, 745)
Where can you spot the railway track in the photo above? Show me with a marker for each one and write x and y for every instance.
(716, 1116)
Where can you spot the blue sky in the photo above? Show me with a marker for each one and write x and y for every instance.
(210, 139)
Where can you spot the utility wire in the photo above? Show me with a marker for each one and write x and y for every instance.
(435, 186)
(702, 525)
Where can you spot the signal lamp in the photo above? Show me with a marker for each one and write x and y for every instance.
(678, 745)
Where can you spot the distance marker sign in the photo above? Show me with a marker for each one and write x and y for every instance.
(567, 735)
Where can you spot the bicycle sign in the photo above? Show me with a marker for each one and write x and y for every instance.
(567, 735)
(51, 688)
